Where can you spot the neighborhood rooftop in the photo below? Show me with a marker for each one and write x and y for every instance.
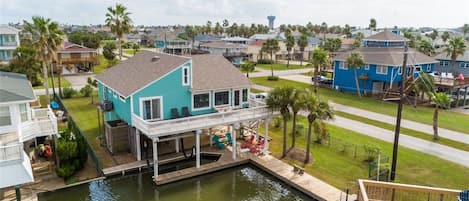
(5, 29)
(445, 56)
(219, 44)
(72, 47)
(386, 36)
(15, 87)
(388, 56)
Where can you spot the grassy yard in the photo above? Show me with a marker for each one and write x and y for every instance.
(280, 66)
(103, 64)
(65, 83)
(447, 119)
(85, 115)
(255, 90)
(129, 51)
(341, 171)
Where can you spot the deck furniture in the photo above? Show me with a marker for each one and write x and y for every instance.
(185, 112)
(174, 113)
(217, 142)
(229, 140)
(298, 170)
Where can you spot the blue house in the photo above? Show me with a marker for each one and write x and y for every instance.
(163, 98)
(462, 63)
(383, 56)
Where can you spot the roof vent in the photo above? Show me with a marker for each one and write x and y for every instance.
(155, 59)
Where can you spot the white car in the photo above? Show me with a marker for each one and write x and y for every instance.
(259, 96)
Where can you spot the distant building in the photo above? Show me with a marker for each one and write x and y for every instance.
(263, 37)
(235, 53)
(271, 22)
(462, 63)
(237, 40)
(74, 58)
(9, 41)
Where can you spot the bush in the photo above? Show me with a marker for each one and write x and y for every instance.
(86, 90)
(265, 61)
(68, 92)
(108, 51)
(371, 152)
(272, 78)
(65, 171)
(299, 129)
(276, 122)
(72, 152)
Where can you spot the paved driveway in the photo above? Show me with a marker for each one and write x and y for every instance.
(78, 80)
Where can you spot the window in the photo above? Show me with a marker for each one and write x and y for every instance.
(245, 95)
(343, 65)
(5, 119)
(429, 68)
(23, 112)
(106, 91)
(236, 97)
(399, 70)
(152, 109)
(464, 65)
(418, 69)
(380, 69)
(222, 98)
(367, 66)
(201, 101)
(444, 63)
(185, 76)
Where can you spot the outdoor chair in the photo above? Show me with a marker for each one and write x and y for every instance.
(229, 140)
(174, 113)
(217, 142)
(185, 112)
(464, 196)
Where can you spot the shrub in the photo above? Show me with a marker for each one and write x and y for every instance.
(276, 122)
(72, 152)
(68, 92)
(65, 171)
(299, 129)
(272, 78)
(86, 90)
(371, 152)
(265, 61)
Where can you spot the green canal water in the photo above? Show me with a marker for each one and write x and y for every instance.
(244, 183)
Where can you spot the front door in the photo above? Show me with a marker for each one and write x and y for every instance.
(236, 97)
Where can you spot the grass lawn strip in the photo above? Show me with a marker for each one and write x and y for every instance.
(65, 83)
(280, 66)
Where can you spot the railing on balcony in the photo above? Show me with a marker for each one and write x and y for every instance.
(43, 123)
(449, 81)
(234, 54)
(9, 44)
(11, 152)
(375, 190)
(75, 60)
(174, 126)
(177, 46)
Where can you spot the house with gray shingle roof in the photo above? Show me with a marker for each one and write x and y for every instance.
(163, 98)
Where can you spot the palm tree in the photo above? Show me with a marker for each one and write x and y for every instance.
(247, 67)
(323, 30)
(120, 23)
(372, 25)
(356, 61)
(302, 43)
(271, 46)
(433, 35)
(290, 42)
(445, 36)
(465, 29)
(347, 31)
(225, 25)
(296, 104)
(455, 48)
(279, 99)
(47, 37)
(426, 47)
(318, 111)
(320, 57)
(441, 100)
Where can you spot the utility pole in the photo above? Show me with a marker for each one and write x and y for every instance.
(399, 116)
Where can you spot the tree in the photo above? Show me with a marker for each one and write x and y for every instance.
(465, 29)
(93, 83)
(108, 51)
(426, 47)
(323, 30)
(302, 43)
(433, 35)
(218, 29)
(135, 47)
(441, 100)
(355, 60)
(455, 48)
(318, 111)
(270, 46)
(289, 43)
(47, 37)
(445, 36)
(190, 32)
(296, 104)
(85, 38)
(372, 25)
(412, 39)
(25, 62)
(208, 27)
(118, 20)
(347, 31)
(279, 99)
(247, 67)
(331, 44)
(225, 25)
(320, 57)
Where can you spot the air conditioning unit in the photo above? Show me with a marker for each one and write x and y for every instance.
(107, 106)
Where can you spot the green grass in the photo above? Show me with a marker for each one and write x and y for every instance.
(410, 132)
(103, 64)
(129, 51)
(85, 115)
(256, 90)
(310, 74)
(341, 171)
(65, 83)
(280, 66)
(447, 119)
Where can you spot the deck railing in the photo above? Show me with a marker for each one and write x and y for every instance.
(385, 191)
(449, 81)
(43, 123)
(174, 126)
(11, 152)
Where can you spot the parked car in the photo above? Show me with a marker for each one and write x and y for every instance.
(322, 79)
(258, 97)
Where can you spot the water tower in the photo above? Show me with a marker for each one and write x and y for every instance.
(271, 22)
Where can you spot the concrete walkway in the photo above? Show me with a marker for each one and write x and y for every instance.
(264, 72)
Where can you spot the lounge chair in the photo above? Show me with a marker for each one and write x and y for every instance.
(464, 196)
(174, 113)
(217, 142)
(185, 112)
(229, 140)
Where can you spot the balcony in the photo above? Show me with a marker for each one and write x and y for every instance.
(11, 152)
(43, 123)
(10, 44)
(450, 81)
(384, 191)
(175, 126)
(77, 60)
(185, 46)
(234, 54)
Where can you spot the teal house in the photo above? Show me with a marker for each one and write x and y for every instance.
(163, 98)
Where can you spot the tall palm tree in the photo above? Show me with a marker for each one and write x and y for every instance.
(455, 48)
(279, 99)
(372, 25)
(318, 111)
(118, 20)
(323, 30)
(320, 57)
(465, 29)
(271, 46)
(296, 104)
(445, 36)
(356, 61)
(247, 67)
(302, 43)
(441, 100)
(426, 47)
(47, 37)
(289, 43)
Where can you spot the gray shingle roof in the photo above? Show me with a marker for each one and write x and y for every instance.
(386, 35)
(15, 87)
(220, 44)
(134, 73)
(444, 56)
(5, 29)
(388, 56)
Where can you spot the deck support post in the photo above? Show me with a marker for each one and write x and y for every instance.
(465, 96)
(233, 147)
(210, 136)
(197, 148)
(176, 142)
(137, 144)
(266, 135)
(155, 158)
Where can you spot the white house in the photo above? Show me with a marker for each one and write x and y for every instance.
(9, 41)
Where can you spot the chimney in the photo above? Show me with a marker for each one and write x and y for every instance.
(155, 58)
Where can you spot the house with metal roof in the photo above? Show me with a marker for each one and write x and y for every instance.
(164, 98)
(9, 41)
(20, 125)
(383, 56)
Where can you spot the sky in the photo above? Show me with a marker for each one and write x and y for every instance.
(388, 13)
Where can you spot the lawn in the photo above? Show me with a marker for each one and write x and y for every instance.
(252, 90)
(85, 115)
(341, 171)
(447, 119)
(280, 66)
(103, 64)
(65, 83)
(129, 51)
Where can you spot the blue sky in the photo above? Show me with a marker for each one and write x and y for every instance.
(403, 13)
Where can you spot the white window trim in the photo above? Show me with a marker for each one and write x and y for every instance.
(229, 98)
(247, 95)
(241, 102)
(367, 67)
(204, 108)
(379, 72)
(342, 65)
(188, 76)
(151, 98)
